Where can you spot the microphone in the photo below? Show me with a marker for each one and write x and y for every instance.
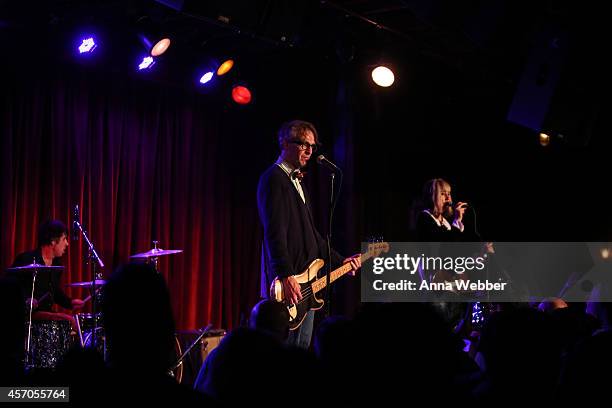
(452, 205)
(75, 220)
(322, 160)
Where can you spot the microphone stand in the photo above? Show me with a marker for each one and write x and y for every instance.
(487, 255)
(490, 258)
(179, 361)
(333, 200)
(94, 260)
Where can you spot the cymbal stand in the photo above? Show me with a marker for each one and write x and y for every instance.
(94, 261)
(28, 355)
(179, 361)
(155, 259)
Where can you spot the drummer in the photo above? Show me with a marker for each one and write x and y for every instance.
(52, 244)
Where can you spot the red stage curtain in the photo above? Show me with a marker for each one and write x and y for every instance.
(143, 162)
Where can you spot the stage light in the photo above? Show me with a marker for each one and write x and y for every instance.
(147, 62)
(605, 253)
(241, 95)
(153, 37)
(206, 77)
(383, 76)
(155, 49)
(87, 45)
(225, 67)
(544, 139)
(160, 47)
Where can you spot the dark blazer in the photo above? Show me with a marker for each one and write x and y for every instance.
(291, 240)
(45, 281)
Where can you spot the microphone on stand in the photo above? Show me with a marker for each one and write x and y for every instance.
(324, 161)
(75, 226)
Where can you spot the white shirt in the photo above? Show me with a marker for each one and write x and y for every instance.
(457, 224)
(287, 168)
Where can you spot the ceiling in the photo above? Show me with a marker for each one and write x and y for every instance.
(488, 42)
(493, 36)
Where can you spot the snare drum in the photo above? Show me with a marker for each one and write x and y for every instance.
(50, 341)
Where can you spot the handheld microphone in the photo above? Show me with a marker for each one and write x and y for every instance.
(75, 220)
(322, 160)
(452, 205)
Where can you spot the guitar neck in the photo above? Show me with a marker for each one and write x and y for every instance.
(320, 283)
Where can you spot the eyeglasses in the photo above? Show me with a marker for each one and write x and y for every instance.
(304, 145)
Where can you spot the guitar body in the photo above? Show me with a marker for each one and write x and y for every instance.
(297, 313)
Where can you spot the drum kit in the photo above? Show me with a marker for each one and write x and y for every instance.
(48, 340)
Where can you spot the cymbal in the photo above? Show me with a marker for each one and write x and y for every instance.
(35, 266)
(155, 252)
(97, 282)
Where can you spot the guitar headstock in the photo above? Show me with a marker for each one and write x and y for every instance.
(377, 246)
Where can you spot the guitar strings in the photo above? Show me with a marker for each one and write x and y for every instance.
(305, 295)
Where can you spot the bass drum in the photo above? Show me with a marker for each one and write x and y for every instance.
(50, 341)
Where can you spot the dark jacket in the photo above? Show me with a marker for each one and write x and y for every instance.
(291, 240)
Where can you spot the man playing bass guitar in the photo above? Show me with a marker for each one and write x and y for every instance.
(291, 240)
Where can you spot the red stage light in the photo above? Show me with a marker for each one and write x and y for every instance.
(241, 95)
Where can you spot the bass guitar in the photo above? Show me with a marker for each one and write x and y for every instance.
(310, 285)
